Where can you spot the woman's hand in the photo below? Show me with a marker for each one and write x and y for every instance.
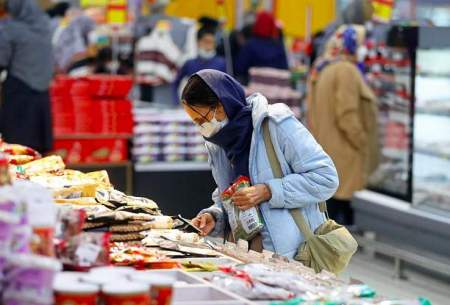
(205, 222)
(249, 197)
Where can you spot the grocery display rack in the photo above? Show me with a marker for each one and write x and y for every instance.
(408, 201)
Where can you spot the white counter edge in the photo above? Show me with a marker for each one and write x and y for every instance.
(398, 204)
(172, 167)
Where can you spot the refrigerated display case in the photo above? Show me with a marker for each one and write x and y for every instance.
(408, 201)
(390, 74)
(410, 74)
(431, 170)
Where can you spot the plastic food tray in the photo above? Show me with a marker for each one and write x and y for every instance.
(182, 278)
(205, 294)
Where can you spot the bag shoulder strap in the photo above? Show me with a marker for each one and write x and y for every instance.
(278, 173)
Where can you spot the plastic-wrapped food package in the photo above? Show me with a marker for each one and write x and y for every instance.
(86, 250)
(289, 281)
(9, 218)
(244, 224)
(40, 215)
(419, 301)
(16, 233)
(29, 279)
(253, 290)
(70, 222)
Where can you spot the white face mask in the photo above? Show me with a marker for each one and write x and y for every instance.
(208, 129)
(204, 54)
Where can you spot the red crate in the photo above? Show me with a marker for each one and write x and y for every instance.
(92, 150)
(61, 105)
(81, 88)
(113, 86)
(114, 106)
(91, 105)
(61, 86)
(63, 124)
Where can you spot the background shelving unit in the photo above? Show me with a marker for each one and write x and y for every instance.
(408, 203)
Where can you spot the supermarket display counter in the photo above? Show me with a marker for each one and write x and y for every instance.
(396, 222)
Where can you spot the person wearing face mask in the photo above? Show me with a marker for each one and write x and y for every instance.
(231, 125)
(264, 49)
(206, 59)
(343, 116)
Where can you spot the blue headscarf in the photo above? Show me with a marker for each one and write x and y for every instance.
(235, 137)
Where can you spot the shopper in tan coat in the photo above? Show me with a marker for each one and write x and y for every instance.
(343, 118)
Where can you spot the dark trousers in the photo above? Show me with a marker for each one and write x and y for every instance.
(25, 116)
(340, 211)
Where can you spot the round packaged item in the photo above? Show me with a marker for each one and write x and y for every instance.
(30, 277)
(75, 293)
(129, 293)
(161, 286)
(151, 278)
(102, 278)
(66, 276)
(111, 270)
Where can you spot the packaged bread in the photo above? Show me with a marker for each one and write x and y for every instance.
(119, 199)
(16, 149)
(76, 191)
(20, 159)
(99, 177)
(44, 165)
(161, 222)
(83, 201)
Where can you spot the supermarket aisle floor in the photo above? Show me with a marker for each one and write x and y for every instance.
(378, 273)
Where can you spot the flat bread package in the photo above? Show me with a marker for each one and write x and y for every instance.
(49, 164)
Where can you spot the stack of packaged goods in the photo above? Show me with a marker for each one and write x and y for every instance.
(92, 118)
(27, 221)
(51, 217)
(276, 86)
(166, 136)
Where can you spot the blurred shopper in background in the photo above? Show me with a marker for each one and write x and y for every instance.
(264, 49)
(356, 12)
(26, 55)
(72, 41)
(162, 41)
(343, 117)
(207, 59)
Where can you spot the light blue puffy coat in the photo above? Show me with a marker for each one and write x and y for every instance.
(310, 176)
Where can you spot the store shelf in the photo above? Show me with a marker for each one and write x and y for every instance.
(433, 75)
(393, 153)
(432, 153)
(398, 222)
(435, 112)
(172, 167)
(99, 164)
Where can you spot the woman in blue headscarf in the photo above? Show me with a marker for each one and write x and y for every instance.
(232, 127)
(26, 55)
